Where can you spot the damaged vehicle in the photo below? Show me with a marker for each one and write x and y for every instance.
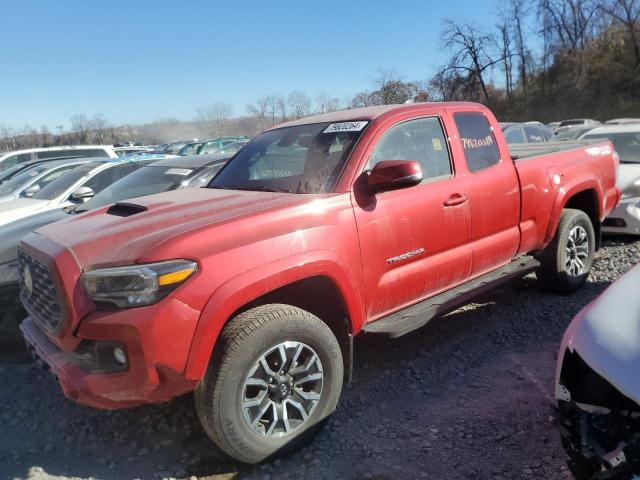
(597, 387)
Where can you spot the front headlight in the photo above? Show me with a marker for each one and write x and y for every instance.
(632, 190)
(137, 285)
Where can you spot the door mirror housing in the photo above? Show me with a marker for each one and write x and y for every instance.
(393, 175)
(82, 194)
(31, 191)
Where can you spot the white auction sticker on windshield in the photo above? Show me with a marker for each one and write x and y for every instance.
(178, 171)
(345, 127)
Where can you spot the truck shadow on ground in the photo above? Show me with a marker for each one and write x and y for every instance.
(61, 438)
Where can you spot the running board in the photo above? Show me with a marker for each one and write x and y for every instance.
(418, 315)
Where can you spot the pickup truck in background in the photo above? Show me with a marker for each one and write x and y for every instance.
(250, 292)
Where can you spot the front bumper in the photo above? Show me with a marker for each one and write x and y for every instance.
(156, 340)
(625, 219)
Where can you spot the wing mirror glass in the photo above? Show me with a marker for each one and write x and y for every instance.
(82, 194)
(393, 175)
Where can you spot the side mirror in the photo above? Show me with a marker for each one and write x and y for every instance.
(31, 191)
(393, 175)
(82, 194)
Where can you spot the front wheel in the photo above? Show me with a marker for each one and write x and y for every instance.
(566, 262)
(274, 379)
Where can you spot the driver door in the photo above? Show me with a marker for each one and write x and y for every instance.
(414, 241)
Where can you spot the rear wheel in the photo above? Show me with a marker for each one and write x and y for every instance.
(275, 378)
(567, 260)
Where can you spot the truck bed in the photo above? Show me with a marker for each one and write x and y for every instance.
(519, 152)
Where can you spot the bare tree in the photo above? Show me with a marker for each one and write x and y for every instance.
(472, 55)
(272, 107)
(507, 55)
(259, 109)
(8, 136)
(80, 127)
(326, 103)
(569, 22)
(519, 10)
(45, 136)
(299, 104)
(99, 124)
(281, 106)
(214, 116)
(627, 12)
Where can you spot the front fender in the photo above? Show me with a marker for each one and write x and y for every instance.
(250, 285)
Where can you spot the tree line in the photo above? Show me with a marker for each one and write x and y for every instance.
(541, 60)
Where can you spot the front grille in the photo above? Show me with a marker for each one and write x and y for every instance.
(41, 301)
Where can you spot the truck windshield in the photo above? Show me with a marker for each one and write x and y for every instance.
(626, 144)
(299, 159)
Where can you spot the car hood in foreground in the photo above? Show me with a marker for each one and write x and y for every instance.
(99, 238)
(606, 335)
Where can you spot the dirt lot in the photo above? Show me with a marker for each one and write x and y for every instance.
(468, 396)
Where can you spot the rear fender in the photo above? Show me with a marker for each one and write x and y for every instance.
(564, 195)
(244, 288)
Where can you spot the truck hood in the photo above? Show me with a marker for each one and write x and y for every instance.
(606, 335)
(100, 238)
(20, 208)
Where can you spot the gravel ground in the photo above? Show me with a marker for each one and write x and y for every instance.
(468, 396)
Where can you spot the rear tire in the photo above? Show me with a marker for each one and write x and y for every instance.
(566, 262)
(274, 379)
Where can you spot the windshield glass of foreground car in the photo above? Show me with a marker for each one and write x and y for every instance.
(145, 181)
(626, 144)
(300, 159)
(61, 184)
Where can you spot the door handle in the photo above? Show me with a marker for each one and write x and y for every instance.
(455, 199)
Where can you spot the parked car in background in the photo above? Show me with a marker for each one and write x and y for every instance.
(190, 149)
(567, 125)
(553, 125)
(249, 292)
(517, 133)
(33, 179)
(74, 187)
(175, 147)
(20, 167)
(233, 147)
(597, 389)
(217, 145)
(171, 173)
(10, 159)
(622, 121)
(625, 219)
(574, 133)
(129, 150)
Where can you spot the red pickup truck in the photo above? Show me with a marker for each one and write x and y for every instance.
(249, 292)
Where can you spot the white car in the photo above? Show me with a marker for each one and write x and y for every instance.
(597, 389)
(28, 182)
(74, 187)
(9, 159)
(625, 219)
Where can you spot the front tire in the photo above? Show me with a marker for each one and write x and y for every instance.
(274, 379)
(566, 262)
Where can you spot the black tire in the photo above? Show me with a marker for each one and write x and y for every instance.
(242, 343)
(554, 274)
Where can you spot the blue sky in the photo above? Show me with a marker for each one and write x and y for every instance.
(137, 61)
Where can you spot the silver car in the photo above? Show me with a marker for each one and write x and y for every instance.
(26, 183)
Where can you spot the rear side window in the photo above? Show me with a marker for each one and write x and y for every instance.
(52, 154)
(14, 160)
(478, 141)
(92, 152)
(421, 140)
(534, 135)
(514, 135)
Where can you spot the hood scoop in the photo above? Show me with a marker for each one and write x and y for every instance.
(126, 209)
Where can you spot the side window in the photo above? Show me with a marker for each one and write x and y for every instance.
(90, 152)
(51, 176)
(102, 180)
(14, 160)
(478, 141)
(51, 154)
(421, 140)
(514, 135)
(534, 135)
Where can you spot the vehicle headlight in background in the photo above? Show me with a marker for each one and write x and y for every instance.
(137, 285)
(632, 190)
